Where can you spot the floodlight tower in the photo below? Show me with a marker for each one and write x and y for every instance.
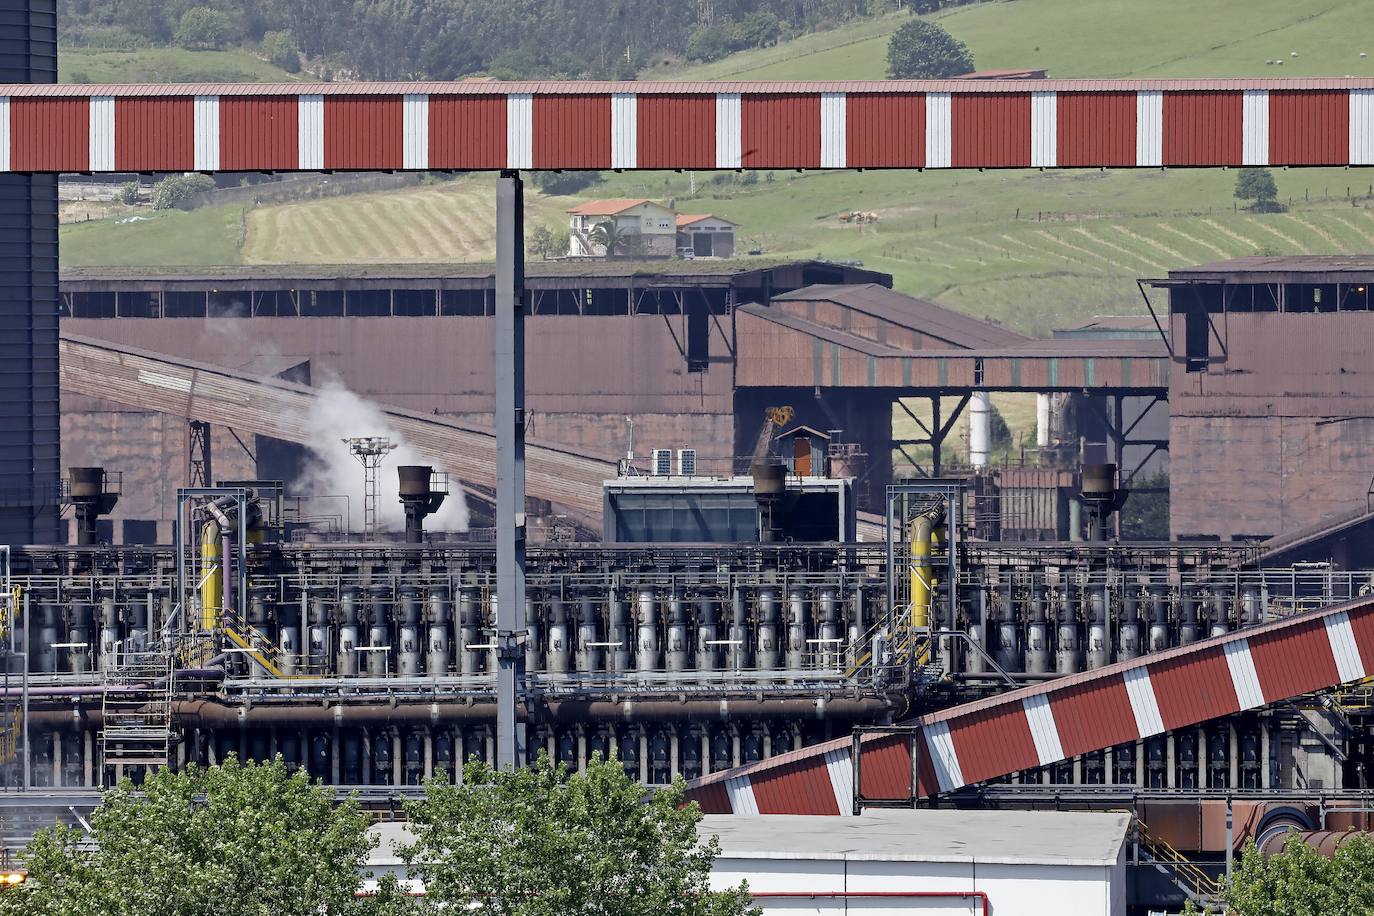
(370, 451)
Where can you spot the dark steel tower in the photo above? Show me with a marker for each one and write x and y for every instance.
(29, 430)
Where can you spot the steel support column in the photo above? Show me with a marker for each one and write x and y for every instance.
(510, 464)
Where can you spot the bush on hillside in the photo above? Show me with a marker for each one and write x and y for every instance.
(204, 29)
(924, 50)
(176, 190)
(280, 50)
(127, 193)
(1257, 185)
(563, 183)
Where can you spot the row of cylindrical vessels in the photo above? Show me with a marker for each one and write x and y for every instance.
(413, 630)
(406, 755)
(1218, 756)
(1071, 628)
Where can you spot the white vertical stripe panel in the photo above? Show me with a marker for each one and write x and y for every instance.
(938, 130)
(310, 132)
(1255, 127)
(415, 132)
(207, 133)
(624, 130)
(4, 133)
(102, 133)
(1143, 702)
(1044, 130)
(841, 778)
(1043, 729)
(833, 126)
(729, 138)
(1362, 126)
(943, 757)
(520, 131)
(741, 793)
(1149, 127)
(1349, 665)
(1243, 674)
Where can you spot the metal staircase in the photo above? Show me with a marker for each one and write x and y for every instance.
(1196, 884)
(137, 711)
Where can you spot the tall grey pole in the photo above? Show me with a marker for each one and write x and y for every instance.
(510, 464)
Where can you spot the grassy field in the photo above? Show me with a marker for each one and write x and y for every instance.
(165, 65)
(1105, 38)
(202, 238)
(449, 221)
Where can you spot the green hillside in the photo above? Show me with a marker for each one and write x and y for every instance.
(165, 65)
(1073, 38)
(1034, 249)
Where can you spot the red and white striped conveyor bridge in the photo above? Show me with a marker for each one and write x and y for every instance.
(1036, 726)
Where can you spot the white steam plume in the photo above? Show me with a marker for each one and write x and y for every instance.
(338, 414)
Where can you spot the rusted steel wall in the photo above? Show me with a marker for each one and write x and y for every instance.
(781, 351)
(896, 124)
(1275, 436)
(1036, 726)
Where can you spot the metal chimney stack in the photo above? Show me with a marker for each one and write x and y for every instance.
(91, 498)
(419, 497)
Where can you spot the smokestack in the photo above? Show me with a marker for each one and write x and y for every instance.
(91, 498)
(770, 483)
(419, 497)
(1101, 498)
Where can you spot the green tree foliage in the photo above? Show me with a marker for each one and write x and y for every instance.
(546, 243)
(564, 183)
(609, 236)
(280, 49)
(177, 190)
(127, 193)
(1301, 882)
(1257, 185)
(203, 29)
(546, 842)
(231, 840)
(924, 50)
(1145, 515)
(449, 39)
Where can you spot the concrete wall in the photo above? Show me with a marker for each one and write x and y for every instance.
(1013, 889)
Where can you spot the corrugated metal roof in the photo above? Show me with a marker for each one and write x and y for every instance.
(921, 315)
(676, 87)
(1263, 267)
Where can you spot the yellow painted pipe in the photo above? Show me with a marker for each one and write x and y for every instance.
(212, 588)
(922, 529)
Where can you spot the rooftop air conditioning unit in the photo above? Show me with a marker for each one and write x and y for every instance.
(663, 462)
(687, 462)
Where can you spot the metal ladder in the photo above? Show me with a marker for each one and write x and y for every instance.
(137, 711)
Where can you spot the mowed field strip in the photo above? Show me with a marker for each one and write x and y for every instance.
(449, 221)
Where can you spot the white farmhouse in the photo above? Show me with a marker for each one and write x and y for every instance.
(640, 228)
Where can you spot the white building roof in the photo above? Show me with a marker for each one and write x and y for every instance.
(990, 837)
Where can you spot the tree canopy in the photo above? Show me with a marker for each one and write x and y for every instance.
(1301, 882)
(921, 49)
(232, 840)
(547, 842)
(449, 39)
(1257, 184)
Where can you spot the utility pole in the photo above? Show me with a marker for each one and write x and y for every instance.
(510, 466)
